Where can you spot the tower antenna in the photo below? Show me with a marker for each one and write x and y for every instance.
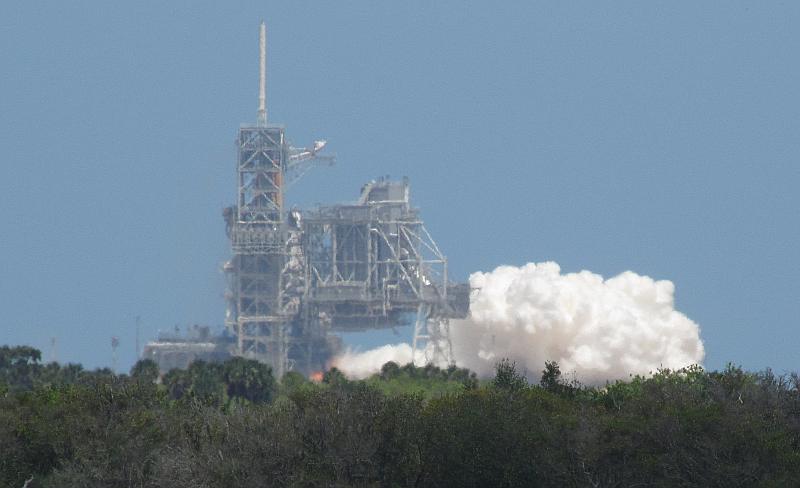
(114, 358)
(138, 321)
(262, 75)
(53, 351)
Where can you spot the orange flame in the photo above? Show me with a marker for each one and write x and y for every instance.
(316, 376)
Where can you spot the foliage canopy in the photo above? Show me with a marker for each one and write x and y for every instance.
(233, 424)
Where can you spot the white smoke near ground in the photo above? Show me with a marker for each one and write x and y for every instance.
(600, 330)
(359, 365)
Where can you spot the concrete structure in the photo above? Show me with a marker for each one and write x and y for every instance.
(176, 350)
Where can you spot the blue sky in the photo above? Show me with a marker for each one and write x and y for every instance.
(660, 137)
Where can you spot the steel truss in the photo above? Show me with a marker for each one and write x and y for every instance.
(266, 276)
(374, 264)
(292, 281)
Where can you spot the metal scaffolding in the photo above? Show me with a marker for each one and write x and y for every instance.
(373, 264)
(295, 280)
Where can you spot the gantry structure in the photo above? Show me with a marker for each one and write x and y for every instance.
(295, 280)
(372, 264)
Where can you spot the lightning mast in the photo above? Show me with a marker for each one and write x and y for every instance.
(262, 78)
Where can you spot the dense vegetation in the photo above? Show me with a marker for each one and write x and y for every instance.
(234, 425)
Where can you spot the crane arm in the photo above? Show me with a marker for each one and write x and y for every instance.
(301, 160)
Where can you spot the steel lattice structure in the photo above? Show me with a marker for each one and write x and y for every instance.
(373, 264)
(295, 280)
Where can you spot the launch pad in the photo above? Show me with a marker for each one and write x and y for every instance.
(296, 279)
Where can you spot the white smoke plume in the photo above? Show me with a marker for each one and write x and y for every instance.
(362, 364)
(600, 330)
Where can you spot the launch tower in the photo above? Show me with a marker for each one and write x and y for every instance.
(294, 281)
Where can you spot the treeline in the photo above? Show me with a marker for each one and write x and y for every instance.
(234, 425)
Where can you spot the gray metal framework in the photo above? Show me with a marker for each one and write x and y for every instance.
(257, 311)
(295, 280)
(373, 264)
(265, 275)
